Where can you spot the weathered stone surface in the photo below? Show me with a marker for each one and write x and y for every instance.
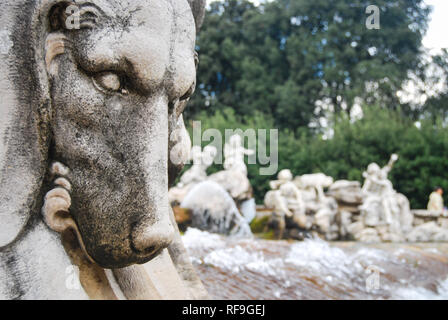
(347, 192)
(303, 204)
(235, 182)
(426, 214)
(428, 232)
(368, 235)
(355, 228)
(105, 100)
(376, 212)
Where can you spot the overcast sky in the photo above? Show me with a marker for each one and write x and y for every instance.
(437, 36)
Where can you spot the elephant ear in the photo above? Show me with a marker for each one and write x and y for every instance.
(198, 9)
(24, 106)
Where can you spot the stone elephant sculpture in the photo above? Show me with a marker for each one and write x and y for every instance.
(92, 94)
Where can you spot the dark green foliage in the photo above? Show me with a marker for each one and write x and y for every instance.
(354, 145)
(281, 57)
(265, 67)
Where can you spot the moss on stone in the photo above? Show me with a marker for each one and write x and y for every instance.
(259, 224)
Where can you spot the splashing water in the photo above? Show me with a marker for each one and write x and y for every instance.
(214, 210)
(258, 269)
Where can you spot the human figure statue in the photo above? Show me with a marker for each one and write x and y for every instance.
(234, 176)
(201, 162)
(234, 153)
(383, 207)
(322, 209)
(286, 200)
(377, 187)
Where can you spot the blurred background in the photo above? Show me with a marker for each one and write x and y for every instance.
(341, 95)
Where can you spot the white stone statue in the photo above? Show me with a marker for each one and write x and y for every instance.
(234, 176)
(377, 188)
(234, 153)
(376, 181)
(286, 199)
(322, 209)
(315, 182)
(383, 208)
(202, 160)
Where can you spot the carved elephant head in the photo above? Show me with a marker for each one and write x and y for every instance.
(103, 98)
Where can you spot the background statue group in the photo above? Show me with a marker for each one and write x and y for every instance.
(375, 212)
(218, 202)
(301, 203)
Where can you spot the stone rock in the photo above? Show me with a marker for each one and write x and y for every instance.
(214, 210)
(344, 219)
(441, 236)
(443, 222)
(355, 228)
(235, 183)
(428, 232)
(426, 214)
(392, 237)
(347, 192)
(368, 235)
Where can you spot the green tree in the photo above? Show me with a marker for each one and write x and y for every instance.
(281, 57)
(353, 146)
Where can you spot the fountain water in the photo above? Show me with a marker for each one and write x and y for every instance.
(314, 269)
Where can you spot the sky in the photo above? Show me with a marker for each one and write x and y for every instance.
(437, 37)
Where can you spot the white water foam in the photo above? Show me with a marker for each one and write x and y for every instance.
(238, 258)
(197, 239)
(318, 257)
(233, 259)
(312, 257)
(418, 293)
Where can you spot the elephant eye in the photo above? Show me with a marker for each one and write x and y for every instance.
(109, 82)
